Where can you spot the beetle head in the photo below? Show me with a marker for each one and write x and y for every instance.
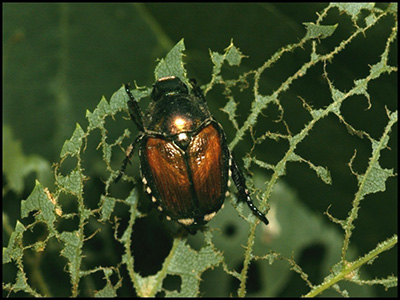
(170, 85)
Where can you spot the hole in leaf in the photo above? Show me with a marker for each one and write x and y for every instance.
(151, 244)
(37, 233)
(253, 283)
(310, 261)
(172, 283)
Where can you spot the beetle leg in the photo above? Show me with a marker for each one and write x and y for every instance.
(134, 109)
(128, 155)
(243, 192)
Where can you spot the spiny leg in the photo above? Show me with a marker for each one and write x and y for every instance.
(128, 154)
(137, 117)
(134, 109)
(243, 192)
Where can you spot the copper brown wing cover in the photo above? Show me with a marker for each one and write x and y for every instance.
(188, 182)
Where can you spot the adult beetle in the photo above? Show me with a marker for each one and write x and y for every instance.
(184, 157)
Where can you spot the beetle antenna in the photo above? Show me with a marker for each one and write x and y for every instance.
(243, 192)
(197, 90)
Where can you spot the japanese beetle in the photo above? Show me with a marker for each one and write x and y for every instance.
(184, 157)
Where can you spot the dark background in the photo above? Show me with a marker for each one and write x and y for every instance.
(60, 59)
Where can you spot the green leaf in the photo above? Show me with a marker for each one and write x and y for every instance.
(375, 180)
(319, 31)
(217, 59)
(14, 250)
(21, 284)
(322, 172)
(233, 55)
(189, 265)
(107, 207)
(353, 9)
(71, 183)
(73, 146)
(230, 109)
(96, 119)
(40, 202)
(72, 251)
(149, 285)
(118, 100)
(172, 64)
(109, 290)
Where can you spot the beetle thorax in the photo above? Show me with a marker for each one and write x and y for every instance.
(178, 124)
(176, 116)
